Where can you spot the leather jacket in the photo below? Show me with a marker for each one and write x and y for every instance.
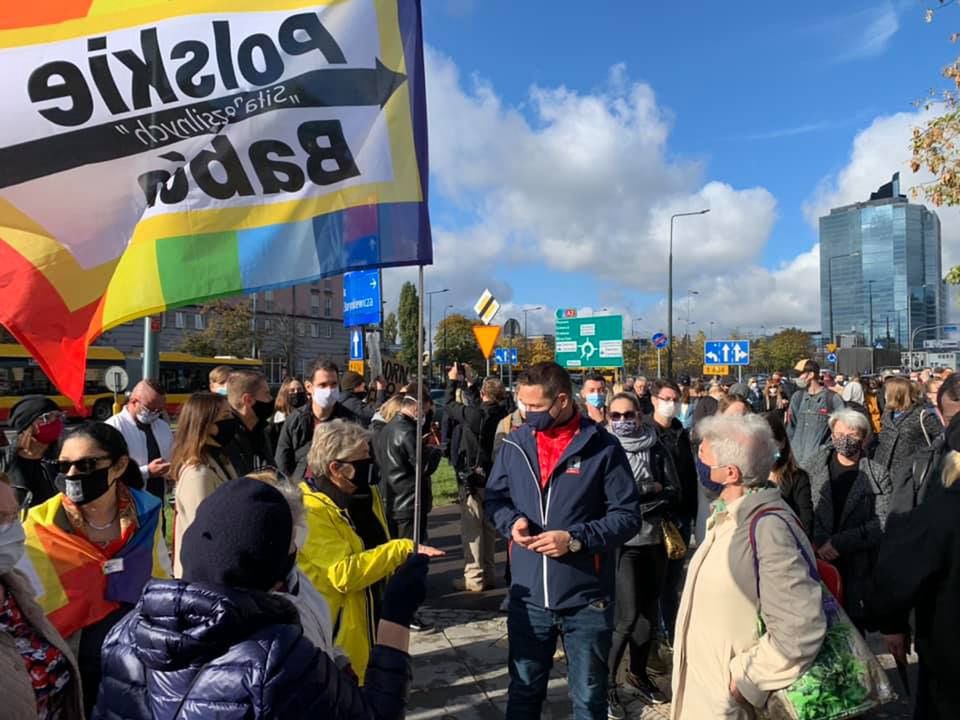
(395, 450)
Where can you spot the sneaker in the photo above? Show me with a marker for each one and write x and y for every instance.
(461, 585)
(615, 709)
(418, 624)
(645, 688)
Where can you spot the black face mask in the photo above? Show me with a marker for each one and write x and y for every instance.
(361, 474)
(226, 430)
(84, 488)
(297, 399)
(263, 409)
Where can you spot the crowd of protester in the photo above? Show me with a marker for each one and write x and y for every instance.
(298, 561)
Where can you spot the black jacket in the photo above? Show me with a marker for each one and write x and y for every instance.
(200, 651)
(250, 449)
(33, 478)
(362, 410)
(395, 450)
(918, 567)
(297, 435)
(677, 440)
(478, 429)
(796, 491)
(901, 439)
(921, 480)
(655, 506)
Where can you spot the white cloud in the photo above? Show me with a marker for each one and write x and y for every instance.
(862, 34)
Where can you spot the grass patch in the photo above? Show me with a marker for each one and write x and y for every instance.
(444, 485)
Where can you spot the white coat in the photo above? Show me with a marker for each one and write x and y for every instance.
(137, 440)
(717, 634)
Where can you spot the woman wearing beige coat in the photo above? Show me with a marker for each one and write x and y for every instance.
(722, 666)
(205, 426)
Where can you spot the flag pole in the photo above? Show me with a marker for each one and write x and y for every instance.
(418, 472)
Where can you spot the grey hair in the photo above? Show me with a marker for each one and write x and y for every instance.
(332, 441)
(851, 418)
(745, 442)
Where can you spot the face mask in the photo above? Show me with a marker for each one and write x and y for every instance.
(596, 400)
(147, 417)
(623, 428)
(360, 395)
(48, 433)
(324, 398)
(361, 473)
(222, 391)
(847, 445)
(11, 545)
(226, 430)
(298, 399)
(84, 488)
(263, 409)
(667, 409)
(541, 420)
(803, 382)
(711, 489)
(779, 458)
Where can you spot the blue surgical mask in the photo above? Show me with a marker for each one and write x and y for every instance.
(597, 400)
(711, 489)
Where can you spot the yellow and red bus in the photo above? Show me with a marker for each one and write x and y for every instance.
(180, 374)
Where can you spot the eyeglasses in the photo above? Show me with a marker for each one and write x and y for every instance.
(83, 465)
(49, 417)
(629, 415)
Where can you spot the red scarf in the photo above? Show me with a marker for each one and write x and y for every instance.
(552, 443)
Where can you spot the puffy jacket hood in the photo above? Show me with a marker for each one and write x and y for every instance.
(179, 624)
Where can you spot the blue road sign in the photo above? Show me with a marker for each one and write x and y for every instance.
(726, 352)
(361, 298)
(832, 358)
(356, 344)
(507, 356)
(660, 340)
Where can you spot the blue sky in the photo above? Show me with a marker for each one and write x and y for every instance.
(564, 134)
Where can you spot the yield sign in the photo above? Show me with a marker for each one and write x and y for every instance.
(487, 336)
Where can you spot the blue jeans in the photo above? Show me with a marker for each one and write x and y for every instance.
(533, 633)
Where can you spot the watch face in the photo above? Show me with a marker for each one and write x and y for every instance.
(575, 545)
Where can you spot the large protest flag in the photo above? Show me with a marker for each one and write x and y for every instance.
(156, 153)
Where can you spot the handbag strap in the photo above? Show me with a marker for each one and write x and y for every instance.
(768, 512)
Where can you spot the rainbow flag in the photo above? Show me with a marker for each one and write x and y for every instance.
(157, 153)
(70, 573)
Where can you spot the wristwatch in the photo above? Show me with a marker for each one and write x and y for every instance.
(575, 545)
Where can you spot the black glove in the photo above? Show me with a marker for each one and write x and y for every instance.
(406, 590)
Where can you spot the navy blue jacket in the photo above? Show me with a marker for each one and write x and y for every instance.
(591, 494)
(192, 652)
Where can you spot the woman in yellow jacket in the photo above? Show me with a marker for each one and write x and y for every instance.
(348, 552)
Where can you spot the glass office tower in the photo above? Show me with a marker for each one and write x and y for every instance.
(880, 271)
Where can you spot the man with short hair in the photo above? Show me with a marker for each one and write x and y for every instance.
(148, 435)
(252, 404)
(562, 491)
(641, 388)
(477, 419)
(593, 395)
(323, 386)
(809, 413)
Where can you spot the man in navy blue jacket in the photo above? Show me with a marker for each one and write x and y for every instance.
(562, 491)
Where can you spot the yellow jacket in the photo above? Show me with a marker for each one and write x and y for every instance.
(334, 560)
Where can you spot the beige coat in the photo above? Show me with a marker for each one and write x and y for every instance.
(717, 635)
(16, 690)
(195, 483)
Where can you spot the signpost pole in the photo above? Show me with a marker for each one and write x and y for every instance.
(659, 373)
(418, 470)
(151, 354)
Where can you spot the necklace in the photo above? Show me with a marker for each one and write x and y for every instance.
(103, 527)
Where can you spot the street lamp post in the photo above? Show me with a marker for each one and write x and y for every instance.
(670, 288)
(430, 324)
(711, 329)
(856, 253)
(690, 294)
(444, 341)
(526, 341)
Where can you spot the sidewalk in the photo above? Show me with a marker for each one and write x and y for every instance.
(460, 669)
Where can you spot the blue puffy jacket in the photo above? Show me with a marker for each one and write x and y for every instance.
(591, 494)
(192, 652)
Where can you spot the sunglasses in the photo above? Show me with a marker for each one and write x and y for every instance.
(83, 465)
(629, 415)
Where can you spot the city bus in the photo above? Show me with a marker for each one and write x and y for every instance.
(180, 375)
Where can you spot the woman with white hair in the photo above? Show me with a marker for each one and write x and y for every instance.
(751, 564)
(851, 501)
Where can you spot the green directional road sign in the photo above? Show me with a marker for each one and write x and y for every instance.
(590, 342)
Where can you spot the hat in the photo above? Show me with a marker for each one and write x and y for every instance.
(351, 381)
(740, 389)
(25, 412)
(683, 379)
(240, 537)
(806, 365)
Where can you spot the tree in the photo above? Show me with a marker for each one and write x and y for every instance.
(540, 351)
(786, 347)
(408, 313)
(228, 331)
(457, 343)
(390, 329)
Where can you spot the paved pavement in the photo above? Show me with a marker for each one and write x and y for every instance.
(460, 669)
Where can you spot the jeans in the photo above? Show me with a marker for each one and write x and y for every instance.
(641, 572)
(533, 633)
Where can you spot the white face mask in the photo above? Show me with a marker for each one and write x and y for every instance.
(324, 398)
(667, 409)
(11, 545)
(147, 417)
